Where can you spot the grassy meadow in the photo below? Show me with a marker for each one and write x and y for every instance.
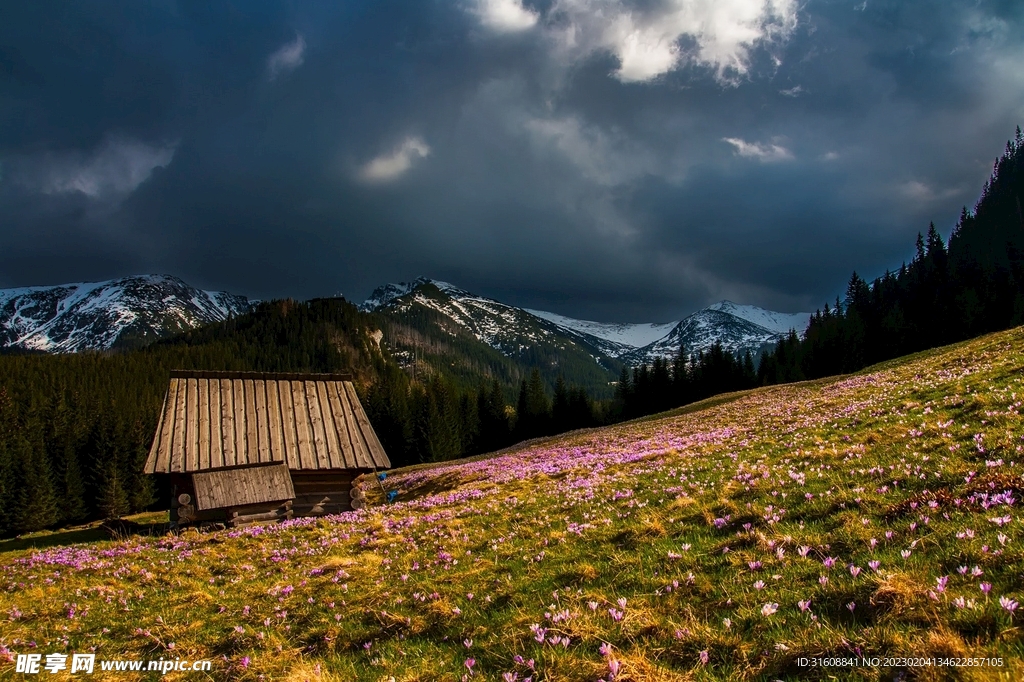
(873, 515)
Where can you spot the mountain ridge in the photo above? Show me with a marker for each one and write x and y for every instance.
(115, 313)
(135, 310)
(739, 328)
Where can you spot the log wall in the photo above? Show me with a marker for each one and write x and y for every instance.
(316, 493)
(323, 492)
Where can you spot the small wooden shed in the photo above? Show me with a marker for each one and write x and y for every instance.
(245, 447)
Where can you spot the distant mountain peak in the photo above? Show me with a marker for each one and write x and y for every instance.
(386, 293)
(780, 323)
(67, 318)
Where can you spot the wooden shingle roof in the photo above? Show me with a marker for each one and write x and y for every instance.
(214, 420)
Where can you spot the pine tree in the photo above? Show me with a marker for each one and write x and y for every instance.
(560, 407)
(537, 415)
(469, 423)
(749, 372)
(661, 386)
(680, 378)
(522, 425)
(443, 438)
(113, 500)
(36, 503)
(8, 491)
(61, 447)
(72, 486)
(581, 409)
(624, 392)
(494, 426)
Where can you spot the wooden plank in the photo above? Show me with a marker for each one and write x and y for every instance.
(306, 458)
(376, 450)
(336, 481)
(154, 448)
(363, 428)
(288, 426)
(239, 487)
(366, 456)
(203, 425)
(227, 427)
(238, 404)
(159, 459)
(244, 488)
(260, 413)
(310, 492)
(186, 432)
(251, 437)
(274, 423)
(264, 516)
(216, 425)
(192, 426)
(360, 454)
(322, 484)
(316, 421)
(178, 429)
(332, 474)
(333, 449)
(338, 425)
(237, 523)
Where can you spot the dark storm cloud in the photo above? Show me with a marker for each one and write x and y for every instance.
(529, 151)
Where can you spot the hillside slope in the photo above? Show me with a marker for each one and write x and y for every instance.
(872, 515)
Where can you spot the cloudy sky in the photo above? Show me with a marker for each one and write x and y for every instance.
(619, 160)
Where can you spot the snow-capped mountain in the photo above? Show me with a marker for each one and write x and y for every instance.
(67, 318)
(738, 328)
(719, 324)
(510, 330)
(780, 323)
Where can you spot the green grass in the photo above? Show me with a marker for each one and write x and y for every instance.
(701, 520)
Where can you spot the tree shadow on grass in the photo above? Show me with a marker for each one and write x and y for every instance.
(119, 529)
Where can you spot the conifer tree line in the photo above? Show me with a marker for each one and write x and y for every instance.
(687, 379)
(435, 420)
(947, 293)
(75, 429)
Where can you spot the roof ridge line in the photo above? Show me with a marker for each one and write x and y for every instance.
(265, 376)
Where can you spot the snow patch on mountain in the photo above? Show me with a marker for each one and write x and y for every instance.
(82, 316)
(386, 293)
(628, 335)
(780, 323)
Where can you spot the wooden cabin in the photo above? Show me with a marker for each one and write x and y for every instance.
(246, 447)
